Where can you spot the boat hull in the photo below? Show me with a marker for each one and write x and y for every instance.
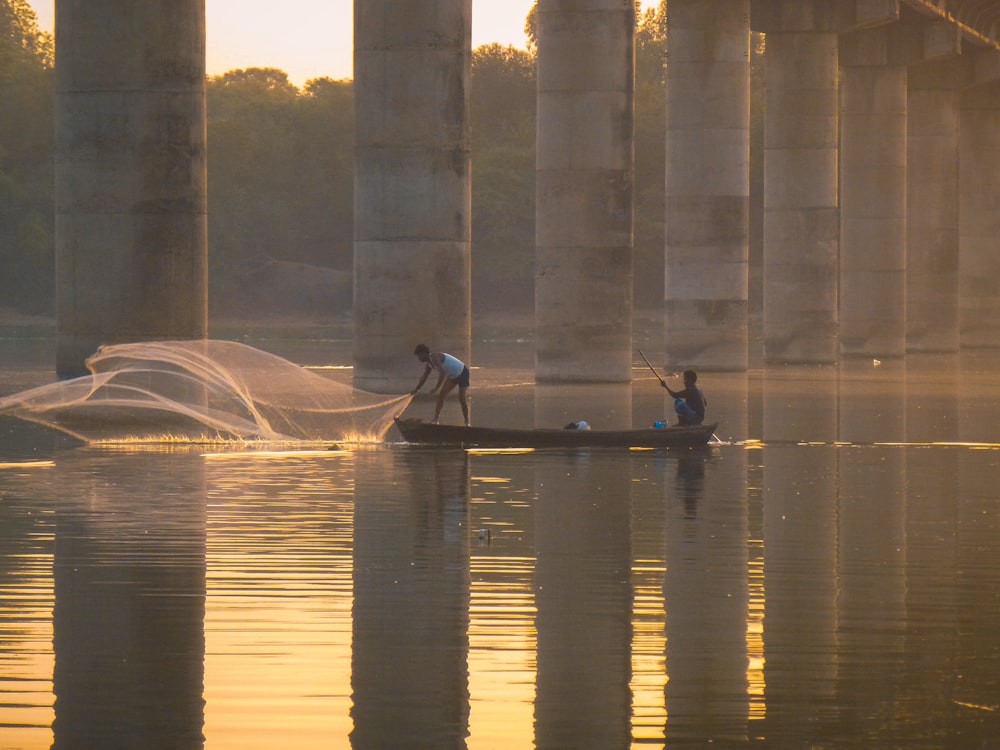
(426, 433)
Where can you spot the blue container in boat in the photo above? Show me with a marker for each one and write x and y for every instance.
(659, 424)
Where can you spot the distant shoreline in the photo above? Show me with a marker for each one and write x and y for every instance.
(493, 325)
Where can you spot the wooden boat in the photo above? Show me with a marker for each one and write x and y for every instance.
(426, 433)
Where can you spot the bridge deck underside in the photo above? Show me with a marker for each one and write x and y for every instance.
(979, 20)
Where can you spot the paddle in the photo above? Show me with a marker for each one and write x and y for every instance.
(651, 368)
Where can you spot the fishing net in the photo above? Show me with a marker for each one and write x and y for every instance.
(203, 391)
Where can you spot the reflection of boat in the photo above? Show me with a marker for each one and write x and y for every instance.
(417, 431)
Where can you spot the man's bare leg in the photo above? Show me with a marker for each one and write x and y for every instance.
(445, 389)
(464, 401)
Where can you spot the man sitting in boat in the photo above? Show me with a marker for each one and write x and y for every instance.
(690, 402)
(451, 372)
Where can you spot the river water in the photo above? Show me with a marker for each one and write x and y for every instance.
(827, 575)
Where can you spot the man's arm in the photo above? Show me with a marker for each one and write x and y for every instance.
(673, 393)
(440, 381)
(423, 379)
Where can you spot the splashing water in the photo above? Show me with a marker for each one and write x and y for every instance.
(196, 391)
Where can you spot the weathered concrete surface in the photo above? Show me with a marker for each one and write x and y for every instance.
(131, 179)
(933, 116)
(979, 218)
(707, 184)
(584, 198)
(872, 310)
(412, 204)
(801, 222)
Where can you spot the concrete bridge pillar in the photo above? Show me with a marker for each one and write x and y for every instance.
(979, 217)
(131, 179)
(584, 194)
(932, 206)
(872, 196)
(707, 183)
(801, 224)
(412, 202)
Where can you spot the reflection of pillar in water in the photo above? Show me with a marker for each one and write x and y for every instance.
(705, 593)
(931, 519)
(972, 680)
(871, 538)
(128, 620)
(648, 676)
(931, 408)
(411, 599)
(583, 595)
(976, 385)
(604, 406)
(800, 548)
(975, 530)
(872, 401)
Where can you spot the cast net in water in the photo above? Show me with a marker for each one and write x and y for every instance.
(194, 391)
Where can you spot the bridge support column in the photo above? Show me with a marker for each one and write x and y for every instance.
(584, 203)
(707, 184)
(131, 178)
(932, 206)
(412, 202)
(979, 222)
(801, 225)
(872, 303)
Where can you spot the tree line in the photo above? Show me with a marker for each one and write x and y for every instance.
(280, 163)
(27, 183)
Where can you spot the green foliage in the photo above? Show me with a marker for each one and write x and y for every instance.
(650, 155)
(20, 35)
(281, 176)
(531, 28)
(26, 151)
(503, 177)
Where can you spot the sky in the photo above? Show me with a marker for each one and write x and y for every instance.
(310, 38)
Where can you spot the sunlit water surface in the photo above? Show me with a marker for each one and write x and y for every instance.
(828, 576)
